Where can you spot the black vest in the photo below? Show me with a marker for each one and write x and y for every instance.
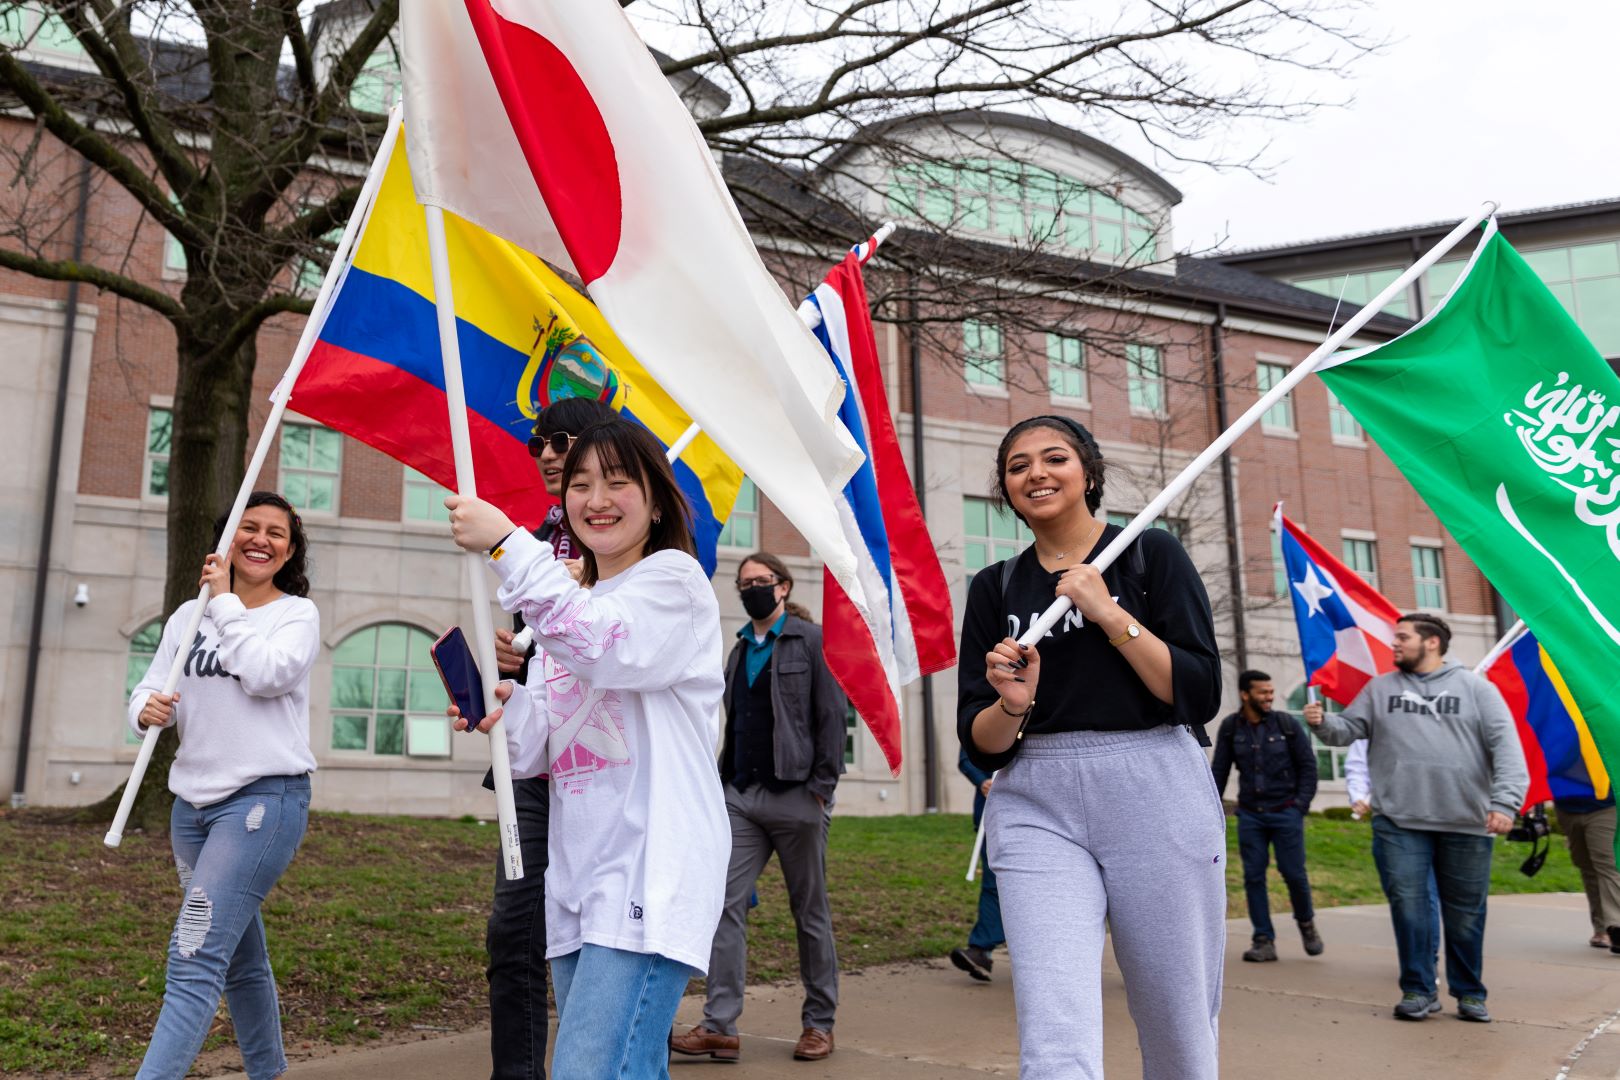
(751, 731)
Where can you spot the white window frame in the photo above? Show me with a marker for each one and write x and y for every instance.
(1339, 416)
(1348, 537)
(411, 479)
(337, 477)
(1280, 418)
(1438, 583)
(373, 711)
(1022, 536)
(1136, 377)
(723, 541)
(148, 457)
(1056, 364)
(991, 370)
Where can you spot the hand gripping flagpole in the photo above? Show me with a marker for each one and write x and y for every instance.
(283, 390)
(483, 625)
(1184, 480)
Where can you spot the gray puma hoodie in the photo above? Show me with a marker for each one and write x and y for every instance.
(1442, 751)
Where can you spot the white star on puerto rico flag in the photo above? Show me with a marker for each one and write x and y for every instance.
(1314, 590)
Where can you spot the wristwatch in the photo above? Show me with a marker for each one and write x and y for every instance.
(1131, 631)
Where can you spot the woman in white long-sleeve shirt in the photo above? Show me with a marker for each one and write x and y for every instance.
(625, 720)
(240, 780)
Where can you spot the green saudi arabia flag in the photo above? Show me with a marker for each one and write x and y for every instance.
(1507, 421)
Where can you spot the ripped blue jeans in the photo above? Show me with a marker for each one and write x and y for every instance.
(229, 854)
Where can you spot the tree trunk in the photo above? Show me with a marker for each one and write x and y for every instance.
(206, 464)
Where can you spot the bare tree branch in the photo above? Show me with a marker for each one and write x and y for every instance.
(68, 270)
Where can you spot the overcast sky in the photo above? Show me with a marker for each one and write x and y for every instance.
(1478, 99)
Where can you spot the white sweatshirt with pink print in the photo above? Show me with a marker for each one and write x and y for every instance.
(625, 720)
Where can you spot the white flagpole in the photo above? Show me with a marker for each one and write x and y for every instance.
(1502, 646)
(1182, 482)
(306, 342)
(978, 840)
(483, 625)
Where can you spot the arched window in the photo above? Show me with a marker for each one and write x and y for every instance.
(142, 647)
(386, 696)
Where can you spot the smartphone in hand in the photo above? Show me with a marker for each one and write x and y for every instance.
(459, 673)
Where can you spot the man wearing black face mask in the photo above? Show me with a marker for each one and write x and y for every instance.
(782, 753)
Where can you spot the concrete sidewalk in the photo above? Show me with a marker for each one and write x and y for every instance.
(1326, 1017)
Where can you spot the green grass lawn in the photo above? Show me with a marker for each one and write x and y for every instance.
(378, 928)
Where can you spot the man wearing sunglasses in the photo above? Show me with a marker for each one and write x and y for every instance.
(516, 935)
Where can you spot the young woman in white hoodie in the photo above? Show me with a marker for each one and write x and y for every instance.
(240, 780)
(624, 719)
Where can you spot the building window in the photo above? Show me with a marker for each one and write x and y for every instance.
(311, 462)
(1280, 417)
(1358, 288)
(1362, 557)
(1428, 578)
(1279, 568)
(1176, 527)
(424, 499)
(378, 83)
(1586, 280)
(142, 648)
(386, 696)
(1024, 204)
(159, 439)
(990, 534)
(1144, 370)
(852, 730)
(981, 354)
(1344, 425)
(26, 27)
(741, 527)
(1066, 367)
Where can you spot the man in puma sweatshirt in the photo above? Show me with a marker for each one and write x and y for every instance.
(1447, 777)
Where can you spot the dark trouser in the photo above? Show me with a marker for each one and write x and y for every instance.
(1259, 832)
(987, 932)
(1460, 864)
(792, 824)
(516, 942)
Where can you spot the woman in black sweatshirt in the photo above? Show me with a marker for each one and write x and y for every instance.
(1104, 808)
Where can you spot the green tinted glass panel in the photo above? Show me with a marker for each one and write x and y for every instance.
(1010, 219)
(427, 736)
(1110, 237)
(327, 450)
(1140, 243)
(1003, 526)
(939, 206)
(747, 496)
(1600, 314)
(359, 647)
(1565, 291)
(158, 479)
(390, 688)
(348, 732)
(351, 687)
(318, 495)
(974, 176)
(1080, 232)
(420, 644)
(392, 648)
(427, 693)
(974, 555)
(1595, 260)
(975, 211)
(159, 431)
(295, 488)
(976, 517)
(390, 734)
(418, 503)
(295, 447)
(1552, 265)
(54, 35)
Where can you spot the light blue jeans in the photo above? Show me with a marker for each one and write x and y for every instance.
(618, 1025)
(229, 854)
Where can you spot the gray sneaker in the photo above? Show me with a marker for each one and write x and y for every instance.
(1417, 1006)
(1472, 1008)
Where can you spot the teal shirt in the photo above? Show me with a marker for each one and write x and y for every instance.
(756, 653)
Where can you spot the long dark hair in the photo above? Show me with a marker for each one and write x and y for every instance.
(630, 450)
(1079, 439)
(779, 568)
(292, 578)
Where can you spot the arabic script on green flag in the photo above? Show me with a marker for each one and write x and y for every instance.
(1506, 420)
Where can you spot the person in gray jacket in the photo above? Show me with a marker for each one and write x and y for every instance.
(781, 756)
(1448, 776)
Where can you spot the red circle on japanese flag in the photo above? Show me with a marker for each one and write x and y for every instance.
(562, 133)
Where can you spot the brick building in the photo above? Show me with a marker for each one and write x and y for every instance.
(1150, 363)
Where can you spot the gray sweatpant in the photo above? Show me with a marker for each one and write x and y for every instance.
(792, 824)
(1126, 827)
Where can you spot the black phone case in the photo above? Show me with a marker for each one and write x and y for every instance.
(459, 674)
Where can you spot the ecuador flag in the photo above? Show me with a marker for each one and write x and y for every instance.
(527, 339)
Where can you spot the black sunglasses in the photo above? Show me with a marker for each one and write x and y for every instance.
(559, 442)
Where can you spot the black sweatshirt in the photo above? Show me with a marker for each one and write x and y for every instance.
(1086, 684)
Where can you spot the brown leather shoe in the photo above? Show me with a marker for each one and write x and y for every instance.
(700, 1040)
(813, 1045)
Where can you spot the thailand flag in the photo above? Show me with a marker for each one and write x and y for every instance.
(1345, 625)
(550, 125)
(905, 628)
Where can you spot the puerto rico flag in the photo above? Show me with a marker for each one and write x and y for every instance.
(905, 628)
(1345, 625)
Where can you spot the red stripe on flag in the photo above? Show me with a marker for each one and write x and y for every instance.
(564, 138)
(409, 420)
(1505, 676)
(1347, 579)
(852, 657)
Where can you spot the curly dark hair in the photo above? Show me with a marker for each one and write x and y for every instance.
(293, 577)
(1075, 434)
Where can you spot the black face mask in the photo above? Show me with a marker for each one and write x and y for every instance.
(758, 600)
